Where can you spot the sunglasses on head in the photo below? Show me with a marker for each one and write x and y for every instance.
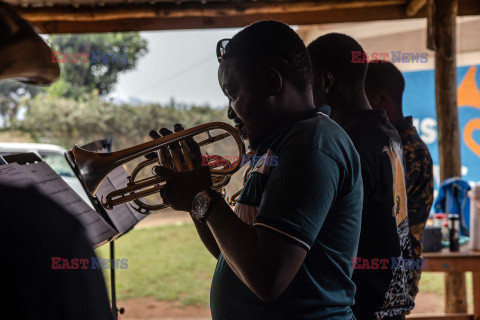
(222, 48)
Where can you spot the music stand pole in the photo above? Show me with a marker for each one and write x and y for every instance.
(108, 146)
(112, 281)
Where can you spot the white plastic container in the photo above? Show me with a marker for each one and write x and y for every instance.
(474, 195)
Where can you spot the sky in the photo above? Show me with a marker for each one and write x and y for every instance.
(179, 64)
(182, 64)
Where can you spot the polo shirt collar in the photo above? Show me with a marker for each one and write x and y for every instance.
(265, 144)
(404, 124)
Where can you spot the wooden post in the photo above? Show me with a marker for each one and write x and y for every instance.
(442, 14)
(476, 295)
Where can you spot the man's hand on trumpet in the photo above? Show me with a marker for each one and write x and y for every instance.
(188, 177)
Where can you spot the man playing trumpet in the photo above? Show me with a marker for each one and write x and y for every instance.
(285, 252)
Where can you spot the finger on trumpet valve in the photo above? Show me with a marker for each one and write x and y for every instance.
(177, 161)
(173, 152)
(187, 154)
(153, 155)
(161, 154)
(164, 158)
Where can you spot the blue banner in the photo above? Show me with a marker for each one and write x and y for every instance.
(419, 101)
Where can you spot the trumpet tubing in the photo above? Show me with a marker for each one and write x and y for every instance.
(94, 167)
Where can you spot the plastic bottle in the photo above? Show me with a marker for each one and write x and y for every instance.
(474, 195)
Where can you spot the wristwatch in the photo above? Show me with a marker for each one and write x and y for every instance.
(203, 203)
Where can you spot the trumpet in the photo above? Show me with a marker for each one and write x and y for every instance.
(95, 166)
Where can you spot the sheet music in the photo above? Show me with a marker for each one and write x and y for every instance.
(53, 186)
(123, 216)
(13, 174)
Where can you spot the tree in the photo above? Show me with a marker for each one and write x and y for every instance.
(11, 92)
(109, 54)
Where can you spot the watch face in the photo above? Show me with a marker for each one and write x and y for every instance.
(200, 204)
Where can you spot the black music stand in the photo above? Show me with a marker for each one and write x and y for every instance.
(106, 145)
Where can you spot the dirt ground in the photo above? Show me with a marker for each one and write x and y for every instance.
(148, 308)
(163, 218)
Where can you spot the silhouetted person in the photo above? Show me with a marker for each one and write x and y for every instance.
(382, 290)
(34, 228)
(384, 85)
(285, 252)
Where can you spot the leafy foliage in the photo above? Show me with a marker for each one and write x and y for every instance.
(66, 121)
(100, 72)
(11, 92)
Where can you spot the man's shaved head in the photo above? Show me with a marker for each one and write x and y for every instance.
(338, 74)
(333, 52)
(273, 43)
(384, 76)
(266, 74)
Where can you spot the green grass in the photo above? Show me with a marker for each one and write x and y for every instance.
(168, 263)
(434, 282)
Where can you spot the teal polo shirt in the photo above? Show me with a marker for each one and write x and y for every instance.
(308, 188)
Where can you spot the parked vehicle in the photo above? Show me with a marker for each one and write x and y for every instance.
(53, 155)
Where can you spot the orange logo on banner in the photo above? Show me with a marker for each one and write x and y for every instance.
(468, 95)
(471, 126)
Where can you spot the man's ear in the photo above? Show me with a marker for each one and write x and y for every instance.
(374, 100)
(327, 81)
(379, 100)
(383, 98)
(274, 82)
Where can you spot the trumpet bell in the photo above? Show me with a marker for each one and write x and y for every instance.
(93, 167)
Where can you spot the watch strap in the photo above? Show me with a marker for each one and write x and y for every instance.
(214, 194)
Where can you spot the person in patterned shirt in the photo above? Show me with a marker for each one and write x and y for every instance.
(384, 87)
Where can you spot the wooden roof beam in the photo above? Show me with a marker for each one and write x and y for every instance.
(219, 15)
(210, 9)
(414, 6)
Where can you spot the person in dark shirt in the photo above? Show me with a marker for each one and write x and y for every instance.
(285, 251)
(34, 230)
(338, 79)
(384, 85)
